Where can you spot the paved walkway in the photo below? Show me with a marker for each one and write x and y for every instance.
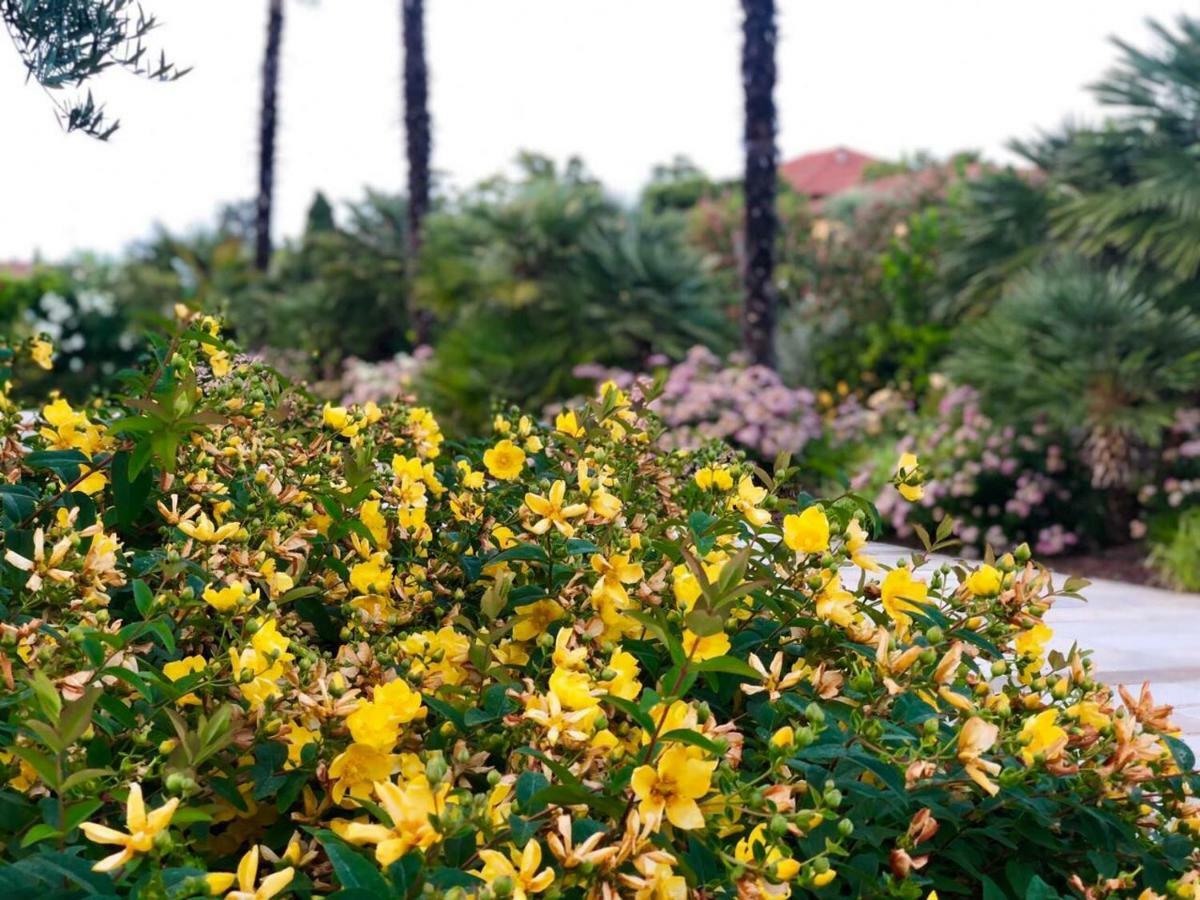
(1136, 634)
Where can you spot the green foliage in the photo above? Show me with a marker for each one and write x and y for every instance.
(63, 43)
(94, 335)
(676, 188)
(1176, 559)
(873, 305)
(342, 291)
(1001, 223)
(1085, 348)
(1128, 193)
(537, 276)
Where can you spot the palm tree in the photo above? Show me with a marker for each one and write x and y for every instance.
(417, 136)
(758, 83)
(267, 124)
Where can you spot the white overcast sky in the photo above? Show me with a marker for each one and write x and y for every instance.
(624, 83)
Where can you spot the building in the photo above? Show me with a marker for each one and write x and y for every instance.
(826, 172)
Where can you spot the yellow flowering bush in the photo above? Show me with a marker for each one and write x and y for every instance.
(256, 645)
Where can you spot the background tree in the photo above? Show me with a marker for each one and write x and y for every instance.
(267, 125)
(63, 43)
(758, 84)
(417, 135)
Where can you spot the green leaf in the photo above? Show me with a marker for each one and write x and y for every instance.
(730, 665)
(405, 874)
(82, 811)
(41, 763)
(703, 623)
(130, 492)
(1039, 890)
(526, 552)
(529, 785)
(352, 869)
(1184, 757)
(143, 598)
(694, 738)
(63, 463)
(39, 832)
(77, 715)
(632, 710)
(47, 695)
(578, 546)
(75, 779)
(496, 704)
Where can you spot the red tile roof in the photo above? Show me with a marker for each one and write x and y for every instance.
(16, 269)
(826, 172)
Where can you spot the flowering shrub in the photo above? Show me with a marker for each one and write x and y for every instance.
(1002, 487)
(704, 398)
(253, 645)
(365, 382)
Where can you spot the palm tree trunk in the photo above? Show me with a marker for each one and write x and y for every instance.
(267, 123)
(417, 138)
(758, 83)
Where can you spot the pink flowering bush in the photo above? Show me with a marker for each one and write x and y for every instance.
(706, 398)
(1001, 485)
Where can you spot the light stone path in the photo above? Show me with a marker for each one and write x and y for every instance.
(1136, 634)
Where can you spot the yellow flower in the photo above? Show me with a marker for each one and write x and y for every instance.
(615, 572)
(229, 597)
(747, 851)
(93, 482)
(823, 878)
(1042, 736)
(807, 532)
(505, 461)
(714, 478)
(749, 496)
(685, 584)
(376, 524)
(534, 618)
(374, 725)
(626, 684)
(181, 668)
(411, 807)
(339, 419)
(836, 604)
(143, 829)
(673, 787)
(551, 510)
(784, 737)
(298, 737)
(1032, 642)
(573, 689)
(1089, 714)
(975, 739)
(605, 505)
(901, 595)
(566, 423)
(356, 769)
(521, 871)
(42, 353)
(909, 478)
(278, 583)
(247, 875)
(984, 581)
(204, 531)
(699, 649)
(401, 700)
(856, 543)
(372, 576)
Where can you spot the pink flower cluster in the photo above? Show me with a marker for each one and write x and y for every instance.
(704, 398)
(1000, 485)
